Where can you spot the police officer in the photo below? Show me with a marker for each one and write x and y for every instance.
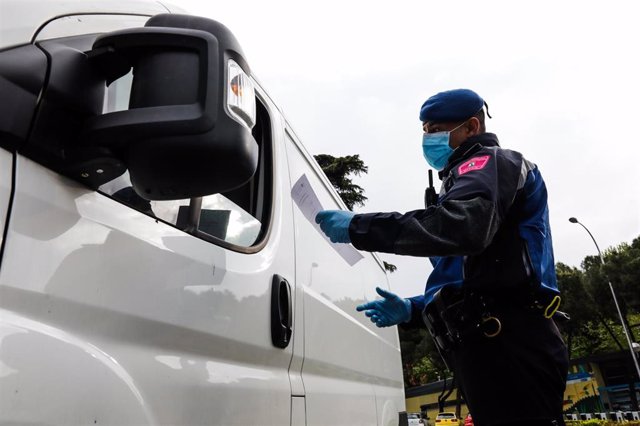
(489, 240)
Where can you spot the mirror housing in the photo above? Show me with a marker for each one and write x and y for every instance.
(181, 137)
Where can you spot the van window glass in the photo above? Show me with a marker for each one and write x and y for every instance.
(222, 218)
(121, 190)
(241, 217)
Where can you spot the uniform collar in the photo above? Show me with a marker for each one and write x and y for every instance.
(468, 148)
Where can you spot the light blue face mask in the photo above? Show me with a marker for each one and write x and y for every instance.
(436, 149)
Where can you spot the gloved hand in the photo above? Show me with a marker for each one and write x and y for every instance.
(390, 310)
(335, 224)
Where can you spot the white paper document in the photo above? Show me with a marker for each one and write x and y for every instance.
(308, 203)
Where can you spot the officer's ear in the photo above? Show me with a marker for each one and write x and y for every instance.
(473, 126)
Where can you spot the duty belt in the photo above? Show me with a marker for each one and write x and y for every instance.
(455, 316)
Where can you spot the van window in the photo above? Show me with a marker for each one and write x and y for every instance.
(241, 217)
(236, 219)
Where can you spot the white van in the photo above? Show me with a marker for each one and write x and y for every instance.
(159, 261)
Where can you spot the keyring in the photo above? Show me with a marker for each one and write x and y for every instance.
(499, 326)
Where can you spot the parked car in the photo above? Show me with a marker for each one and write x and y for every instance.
(414, 419)
(445, 418)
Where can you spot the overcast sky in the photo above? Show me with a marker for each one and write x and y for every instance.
(560, 78)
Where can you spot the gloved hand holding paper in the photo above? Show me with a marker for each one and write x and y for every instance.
(335, 224)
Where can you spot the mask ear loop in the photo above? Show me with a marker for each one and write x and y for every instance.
(487, 107)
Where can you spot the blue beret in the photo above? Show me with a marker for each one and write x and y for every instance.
(452, 105)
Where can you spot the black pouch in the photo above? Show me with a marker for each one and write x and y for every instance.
(443, 317)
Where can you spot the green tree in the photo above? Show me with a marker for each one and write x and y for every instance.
(420, 359)
(570, 283)
(338, 170)
(622, 269)
(589, 331)
(595, 325)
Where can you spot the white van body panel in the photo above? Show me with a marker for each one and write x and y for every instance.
(186, 321)
(59, 372)
(346, 357)
(6, 169)
(111, 316)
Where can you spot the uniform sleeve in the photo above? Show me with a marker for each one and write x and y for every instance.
(416, 321)
(462, 223)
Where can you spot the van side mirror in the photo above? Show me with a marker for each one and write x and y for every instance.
(187, 132)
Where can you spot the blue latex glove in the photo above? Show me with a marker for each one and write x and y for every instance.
(390, 310)
(335, 224)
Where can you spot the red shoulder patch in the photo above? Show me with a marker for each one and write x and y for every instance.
(476, 163)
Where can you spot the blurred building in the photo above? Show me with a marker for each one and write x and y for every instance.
(598, 383)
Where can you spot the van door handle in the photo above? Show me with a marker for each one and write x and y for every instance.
(281, 313)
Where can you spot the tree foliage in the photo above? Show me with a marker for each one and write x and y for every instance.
(622, 268)
(420, 359)
(595, 325)
(338, 170)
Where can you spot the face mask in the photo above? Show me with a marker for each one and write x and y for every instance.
(436, 149)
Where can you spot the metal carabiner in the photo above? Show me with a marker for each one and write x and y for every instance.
(498, 326)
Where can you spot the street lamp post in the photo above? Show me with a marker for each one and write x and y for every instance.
(615, 299)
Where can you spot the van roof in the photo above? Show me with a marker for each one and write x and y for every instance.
(21, 19)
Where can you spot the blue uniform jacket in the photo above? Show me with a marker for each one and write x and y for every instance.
(489, 229)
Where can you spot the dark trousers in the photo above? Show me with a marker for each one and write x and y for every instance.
(517, 377)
